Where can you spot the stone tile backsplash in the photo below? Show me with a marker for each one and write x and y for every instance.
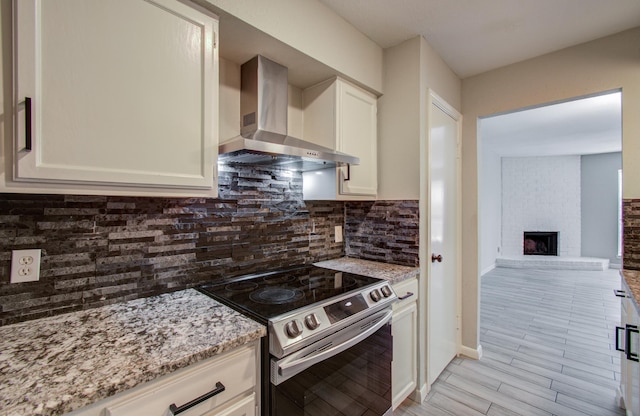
(631, 234)
(386, 231)
(99, 250)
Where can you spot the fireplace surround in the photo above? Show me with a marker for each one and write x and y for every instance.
(540, 243)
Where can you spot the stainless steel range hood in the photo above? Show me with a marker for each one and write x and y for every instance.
(263, 136)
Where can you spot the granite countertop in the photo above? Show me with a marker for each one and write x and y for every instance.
(391, 272)
(54, 365)
(632, 278)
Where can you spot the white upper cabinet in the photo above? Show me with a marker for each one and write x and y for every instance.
(122, 92)
(343, 117)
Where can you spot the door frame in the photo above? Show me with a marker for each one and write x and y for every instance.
(424, 254)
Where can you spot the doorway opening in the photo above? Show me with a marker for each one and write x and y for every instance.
(551, 168)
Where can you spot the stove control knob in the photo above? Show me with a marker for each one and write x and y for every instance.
(375, 295)
(292, 329)
(311, 321)
(386, 291)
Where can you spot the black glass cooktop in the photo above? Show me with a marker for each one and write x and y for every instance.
(265, 296)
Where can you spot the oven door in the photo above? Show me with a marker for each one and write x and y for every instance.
(346, 373)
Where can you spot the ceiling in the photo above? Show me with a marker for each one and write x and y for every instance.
(474, 36)
(585, 126)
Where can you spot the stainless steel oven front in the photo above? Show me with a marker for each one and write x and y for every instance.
(345, 373)
(328, 347)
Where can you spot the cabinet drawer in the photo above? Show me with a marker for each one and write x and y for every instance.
(407, 291)
(244, 407)
(236, 372)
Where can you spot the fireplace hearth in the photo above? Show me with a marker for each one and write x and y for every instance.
(540, 243)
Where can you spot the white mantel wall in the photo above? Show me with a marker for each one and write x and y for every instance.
(541, 194)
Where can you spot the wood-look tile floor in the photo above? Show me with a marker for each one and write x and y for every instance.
(548, 349)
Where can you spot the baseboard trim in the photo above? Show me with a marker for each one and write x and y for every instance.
(488, 269)
(475, 354)
(420, 395)
(620, 399)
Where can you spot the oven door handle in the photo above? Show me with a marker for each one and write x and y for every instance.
(288, 367)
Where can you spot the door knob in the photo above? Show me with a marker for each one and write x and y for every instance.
(435, 258)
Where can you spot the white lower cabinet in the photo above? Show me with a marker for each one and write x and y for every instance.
(231, 379)
(404, 328)
(244, 407)
(628, 342)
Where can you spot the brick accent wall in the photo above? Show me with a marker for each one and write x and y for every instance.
(386, 231)
(631, 234)
(541, 194)
(98, 250)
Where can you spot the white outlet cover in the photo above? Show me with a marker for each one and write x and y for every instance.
(338, 229)
(25, 265)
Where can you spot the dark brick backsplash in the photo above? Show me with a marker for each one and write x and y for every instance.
(99, 250)
(631, 234)
(386, 231)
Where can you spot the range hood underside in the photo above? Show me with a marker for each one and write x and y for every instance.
(288, 156)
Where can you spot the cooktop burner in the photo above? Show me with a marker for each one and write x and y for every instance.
(241, 287)
(276, 295)
(267, 295)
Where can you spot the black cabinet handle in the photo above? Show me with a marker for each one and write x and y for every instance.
(620, 293)
(348, 176)
(27, 124)
(407, 296)
(177, 410)
(631, 356)
(618, 329)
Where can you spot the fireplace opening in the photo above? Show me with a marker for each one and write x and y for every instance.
(539, 243)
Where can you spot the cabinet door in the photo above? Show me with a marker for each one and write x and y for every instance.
(404, 369)
(121, 91)
(624, 365)
(357, 135)
(633, 367)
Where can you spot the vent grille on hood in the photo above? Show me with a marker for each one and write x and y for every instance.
(264, 139)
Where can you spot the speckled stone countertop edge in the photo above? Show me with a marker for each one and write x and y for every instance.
(632, 280)
(393, 273)
(55, 365)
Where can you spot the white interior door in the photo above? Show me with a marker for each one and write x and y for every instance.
(443, 298)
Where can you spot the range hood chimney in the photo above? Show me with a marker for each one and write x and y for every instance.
(263, 136)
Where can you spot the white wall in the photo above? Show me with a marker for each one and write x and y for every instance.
(490, 208)
(399, 115)
(541, 194)
(600, 206)
(410, 68)
(315, 30)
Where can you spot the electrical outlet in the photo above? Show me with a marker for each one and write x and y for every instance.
(338, 233)
(25, 265)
